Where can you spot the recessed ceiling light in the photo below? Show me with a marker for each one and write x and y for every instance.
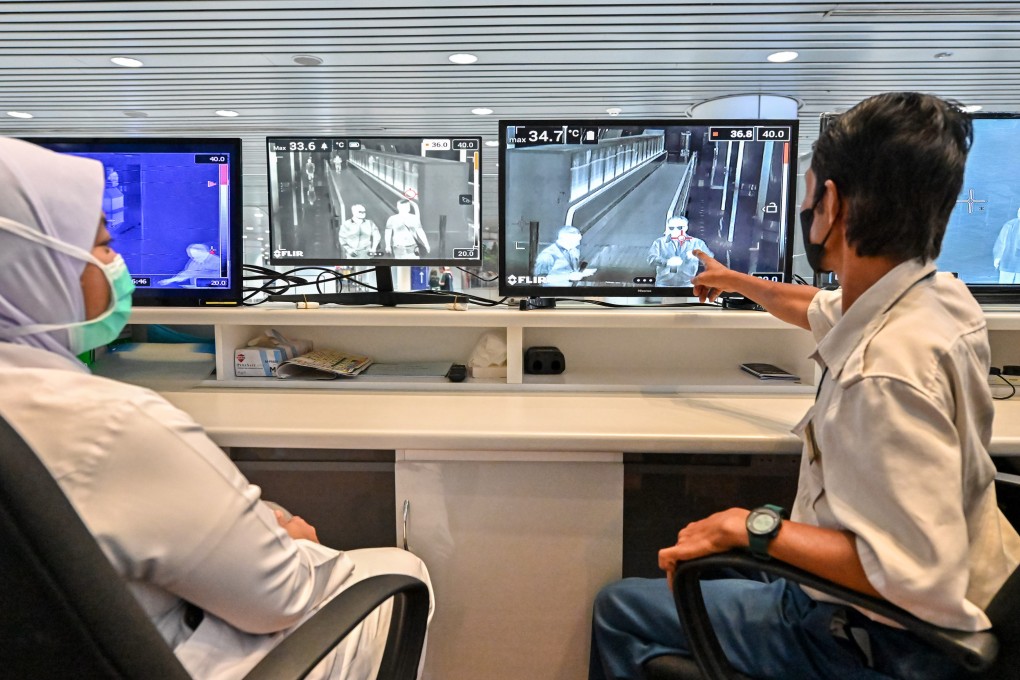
(127, 61)
(19, 114)
(307, 60)
(943, 55)
(782, 57)
(227, 113)
(481, 112)
(614, 110)
(463, 58)
(492, 142)
(972, 108)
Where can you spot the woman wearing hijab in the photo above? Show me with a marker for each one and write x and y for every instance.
(172, 513)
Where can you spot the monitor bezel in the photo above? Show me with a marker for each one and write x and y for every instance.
(176, 297)
(368, 263)
(535, 290)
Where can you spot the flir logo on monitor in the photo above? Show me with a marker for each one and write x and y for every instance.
(524, 280)
(288, 253)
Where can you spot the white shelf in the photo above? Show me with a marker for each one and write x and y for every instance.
(655, 350)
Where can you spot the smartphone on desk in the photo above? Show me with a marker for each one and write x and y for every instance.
(767, 372)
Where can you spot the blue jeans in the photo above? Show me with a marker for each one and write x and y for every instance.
(767, 630)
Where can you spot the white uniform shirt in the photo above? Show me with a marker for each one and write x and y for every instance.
(902, 425)
(170, 510)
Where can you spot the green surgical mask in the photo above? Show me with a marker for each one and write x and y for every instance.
(105, 328)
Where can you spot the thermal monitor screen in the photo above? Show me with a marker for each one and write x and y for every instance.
(606, 208)
(982, 241)
(375, 200)
(170, 207)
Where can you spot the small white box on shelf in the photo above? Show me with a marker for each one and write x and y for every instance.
(265, 352)
(258, 361)
(488, 371)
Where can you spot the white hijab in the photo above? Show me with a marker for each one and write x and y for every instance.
(60, 196)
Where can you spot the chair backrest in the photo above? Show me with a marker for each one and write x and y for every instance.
(1004, 610)
(64, 610)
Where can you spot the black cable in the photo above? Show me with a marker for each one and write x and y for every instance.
(1012, 388)
(478, 276)
(289, 279)
(270, 287)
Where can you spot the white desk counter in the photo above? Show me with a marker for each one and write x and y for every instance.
(565, 422)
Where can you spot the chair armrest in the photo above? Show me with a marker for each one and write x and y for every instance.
(304, 648)
(974, 652)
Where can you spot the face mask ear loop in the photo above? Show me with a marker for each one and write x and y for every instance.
(18, 229)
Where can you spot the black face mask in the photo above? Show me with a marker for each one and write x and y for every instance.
(813, 251)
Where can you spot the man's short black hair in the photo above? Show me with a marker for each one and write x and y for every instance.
(897, 161)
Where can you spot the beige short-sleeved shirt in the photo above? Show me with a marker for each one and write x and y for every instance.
(896, 445)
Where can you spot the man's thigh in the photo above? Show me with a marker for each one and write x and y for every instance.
(767, 630)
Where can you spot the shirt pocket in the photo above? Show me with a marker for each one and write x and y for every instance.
(811, 486)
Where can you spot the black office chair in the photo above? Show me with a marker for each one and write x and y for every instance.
(988, 655)
(65, 612)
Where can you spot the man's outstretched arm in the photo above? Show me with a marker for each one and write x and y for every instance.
(786, 301)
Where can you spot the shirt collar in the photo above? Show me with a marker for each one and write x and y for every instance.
(867, 314)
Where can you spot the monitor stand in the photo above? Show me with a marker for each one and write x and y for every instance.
(384, 295)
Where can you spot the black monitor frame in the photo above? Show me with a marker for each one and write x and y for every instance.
(535, 289)
(176, 297)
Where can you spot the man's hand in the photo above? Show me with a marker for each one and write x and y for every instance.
(297, 527)
(715, 280)
(716, 533)
(995, 263)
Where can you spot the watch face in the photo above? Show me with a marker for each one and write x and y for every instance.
(762, 523)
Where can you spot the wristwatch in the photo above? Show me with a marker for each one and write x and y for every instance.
(762, 526)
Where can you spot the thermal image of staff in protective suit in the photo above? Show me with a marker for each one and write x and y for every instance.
(1006, 252)
(672, 254)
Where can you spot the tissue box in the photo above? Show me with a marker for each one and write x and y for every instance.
(265, 352)
(259, 361)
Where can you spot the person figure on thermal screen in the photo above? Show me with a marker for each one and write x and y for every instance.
(405, 238)
(310, 171)
(672, 254)
(560, 262)
(338, 163)
(1006, 253)
(359, 236)
(203, 262)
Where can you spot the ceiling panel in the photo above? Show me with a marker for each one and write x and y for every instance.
(385, 69)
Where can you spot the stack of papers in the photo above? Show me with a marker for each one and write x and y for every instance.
(323, 364)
